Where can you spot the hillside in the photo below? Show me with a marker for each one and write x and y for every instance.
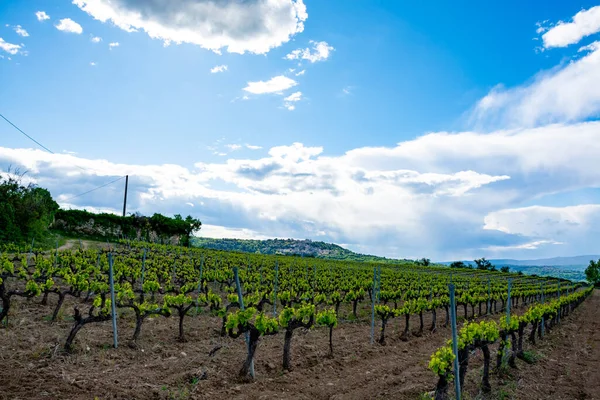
(571, 268)
(576, 261)
(304, 248)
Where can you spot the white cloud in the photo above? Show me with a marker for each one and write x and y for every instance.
(252, 26)
(93, 64)
(291, 99)
(433, 194)
(277, 84)
(21, 31)
(96, 39)
(218, 68)
(346, 90)
(113, 44)
(590, 47)
(563, 94)
(10, 48)
(563, 34)
(68, 25)
(233, 147)
(301, 73)
(253, 147)
(222, 232)
(525, 246)
(320, 52)
(42, 16)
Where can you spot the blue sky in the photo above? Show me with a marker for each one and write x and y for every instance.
(460, 129)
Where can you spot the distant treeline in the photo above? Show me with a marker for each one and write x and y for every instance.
(28, 213)
(135, 226)
(25, 211)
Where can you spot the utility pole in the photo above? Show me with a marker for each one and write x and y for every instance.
(125, 199)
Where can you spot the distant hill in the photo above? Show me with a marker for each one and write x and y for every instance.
(550, 262)
(575, 261)
(571, 268)
(304, 248)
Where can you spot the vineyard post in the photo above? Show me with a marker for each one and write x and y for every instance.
(508, 302)
(241, 301)
(199, 282)
(454, 340)
(275, 289)
(143, 269)
(306, 271)
(373, 303)
(489, 296)
(542, 290)
(314, 278)
(558, 314)
(112, 298)
(56, 255)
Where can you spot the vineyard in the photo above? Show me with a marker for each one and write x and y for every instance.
(197, 323)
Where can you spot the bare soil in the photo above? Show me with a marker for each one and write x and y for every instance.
(33, 365)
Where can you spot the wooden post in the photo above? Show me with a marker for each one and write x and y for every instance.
(125, 198)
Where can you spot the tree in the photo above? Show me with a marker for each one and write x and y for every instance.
(592, 272)
(484, 264)
(424, 262)
(25, 211)
(459, 264)
(505, 268)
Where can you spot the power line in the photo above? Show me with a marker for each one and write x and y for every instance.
(30, 138)
(35, 141)
(96, 188)
(51, 152)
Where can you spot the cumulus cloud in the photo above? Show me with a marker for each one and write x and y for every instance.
(42, 16)
(277, 84)
(221, 232)
(113, 45)
(10, 48)
(563, 94)
(571, 226)
(68, 25)
(253, 147)
(291, 99)
(218, 68)
(320, 51)
(21, 31)
(255, 26)
(96, 39)
(443, 195)
(438, 195)
(563, 34)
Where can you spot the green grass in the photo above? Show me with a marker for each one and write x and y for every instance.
(531, 357)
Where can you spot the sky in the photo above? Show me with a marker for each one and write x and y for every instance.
(453, 130)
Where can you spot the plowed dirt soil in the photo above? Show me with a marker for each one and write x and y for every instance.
(33, 365)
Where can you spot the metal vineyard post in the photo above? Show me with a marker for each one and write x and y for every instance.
(241, 301)
(112, 299)
(454, 340)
